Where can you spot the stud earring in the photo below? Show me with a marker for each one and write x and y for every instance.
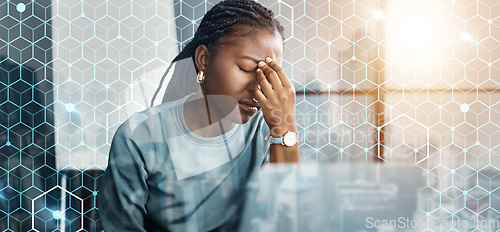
(200, 78)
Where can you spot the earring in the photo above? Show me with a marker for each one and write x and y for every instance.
(200, 78)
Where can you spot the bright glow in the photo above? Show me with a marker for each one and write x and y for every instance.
(464, 108)
(465, 36)
(378, 14)
(70, 107)
(21, 7)
(57, 214)
(417, 32)
(415, 36)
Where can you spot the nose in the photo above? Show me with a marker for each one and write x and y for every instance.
(252, 83)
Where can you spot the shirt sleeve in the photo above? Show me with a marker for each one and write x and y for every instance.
(123, 190)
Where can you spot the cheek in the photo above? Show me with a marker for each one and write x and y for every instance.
(227, 82)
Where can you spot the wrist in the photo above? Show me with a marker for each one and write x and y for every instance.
(279, 131)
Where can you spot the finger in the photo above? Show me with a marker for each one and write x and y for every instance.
(265, 86)
(271, 76)
(281, 74)
(261, 98)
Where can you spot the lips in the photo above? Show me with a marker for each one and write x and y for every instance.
(249, 105)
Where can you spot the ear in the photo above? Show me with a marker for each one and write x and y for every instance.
(201, 57)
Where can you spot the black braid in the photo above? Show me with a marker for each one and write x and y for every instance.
(220, 21)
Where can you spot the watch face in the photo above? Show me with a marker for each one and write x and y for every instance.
(290, 139)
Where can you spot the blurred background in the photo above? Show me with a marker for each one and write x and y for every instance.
(378, 81)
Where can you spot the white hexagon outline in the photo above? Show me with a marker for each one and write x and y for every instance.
(396, 118)
(33, 207)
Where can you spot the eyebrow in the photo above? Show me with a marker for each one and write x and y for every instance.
(250, 58)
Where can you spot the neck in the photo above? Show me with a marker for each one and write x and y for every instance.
(203, 120)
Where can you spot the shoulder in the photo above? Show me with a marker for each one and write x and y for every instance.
(141, 137)
(148, 125)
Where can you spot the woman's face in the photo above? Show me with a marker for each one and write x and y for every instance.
(231, 72)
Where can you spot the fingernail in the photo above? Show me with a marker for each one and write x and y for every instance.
(258, 70)
(268, 59)
(261, 64)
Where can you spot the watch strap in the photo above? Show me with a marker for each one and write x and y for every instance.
(278, 140)
(281, 140)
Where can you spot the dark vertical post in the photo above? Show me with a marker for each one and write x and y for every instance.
(27, 155)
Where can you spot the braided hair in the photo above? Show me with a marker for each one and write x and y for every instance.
(224, 20)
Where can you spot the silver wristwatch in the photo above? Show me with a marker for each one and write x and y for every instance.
(289, 139)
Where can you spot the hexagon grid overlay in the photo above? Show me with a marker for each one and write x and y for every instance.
(378, 81)
(59, 207)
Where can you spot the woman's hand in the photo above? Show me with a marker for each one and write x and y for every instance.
(276, 97)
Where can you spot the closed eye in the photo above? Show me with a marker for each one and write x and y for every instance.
(243, 70)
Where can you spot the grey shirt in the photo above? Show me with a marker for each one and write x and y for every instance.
(163, 177)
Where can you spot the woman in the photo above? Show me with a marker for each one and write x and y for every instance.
(183, 165)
